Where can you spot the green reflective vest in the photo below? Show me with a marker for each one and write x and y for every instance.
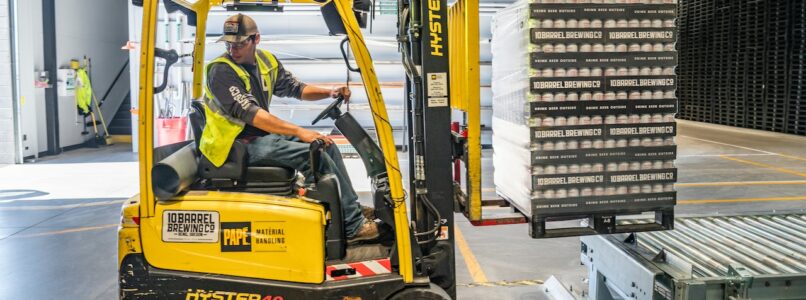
(221, 129)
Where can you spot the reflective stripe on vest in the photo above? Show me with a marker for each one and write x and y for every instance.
(221, 129)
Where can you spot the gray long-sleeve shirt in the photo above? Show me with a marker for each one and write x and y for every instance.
(231, 92)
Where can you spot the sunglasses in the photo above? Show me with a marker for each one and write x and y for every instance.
(235, 46)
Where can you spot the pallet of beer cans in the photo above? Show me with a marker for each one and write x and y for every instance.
(584, 112)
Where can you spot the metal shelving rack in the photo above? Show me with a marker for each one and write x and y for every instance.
(777, 45)
(742, 63)
(796, 108)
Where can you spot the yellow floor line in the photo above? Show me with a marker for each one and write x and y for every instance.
(71, 230)
(470, 260)
(121, 139)
(792, 157)
(703, 201)
(758, 164)
(739, 183)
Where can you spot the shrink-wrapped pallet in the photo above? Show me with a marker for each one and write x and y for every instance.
(583, 106)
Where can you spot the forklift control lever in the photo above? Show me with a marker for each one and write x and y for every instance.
(315, 157)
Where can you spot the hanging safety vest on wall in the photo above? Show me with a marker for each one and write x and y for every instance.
(83, 91)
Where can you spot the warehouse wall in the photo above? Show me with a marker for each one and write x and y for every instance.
(30, 59)
(97, 29)
(97, 33)
(6, 111)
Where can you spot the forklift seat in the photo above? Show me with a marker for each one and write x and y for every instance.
(234, 173)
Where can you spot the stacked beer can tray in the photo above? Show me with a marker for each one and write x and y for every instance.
(584, 112)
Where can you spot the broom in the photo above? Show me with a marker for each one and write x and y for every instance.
(106, 139)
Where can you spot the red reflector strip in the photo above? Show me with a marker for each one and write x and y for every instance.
(502, 221)
(136, 220)
(362, 269)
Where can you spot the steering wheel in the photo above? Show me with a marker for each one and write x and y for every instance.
(332, 111)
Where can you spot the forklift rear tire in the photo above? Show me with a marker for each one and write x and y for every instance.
(433, 292)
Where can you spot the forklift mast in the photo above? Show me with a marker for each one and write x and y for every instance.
(423, 38)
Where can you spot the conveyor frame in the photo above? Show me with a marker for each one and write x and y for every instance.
(669, 265)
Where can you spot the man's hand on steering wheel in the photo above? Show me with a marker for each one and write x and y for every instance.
(341, 91)
(308, 136)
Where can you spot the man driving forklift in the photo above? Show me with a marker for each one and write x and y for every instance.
(239, 87)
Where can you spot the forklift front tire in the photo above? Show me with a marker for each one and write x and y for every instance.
(433, 292)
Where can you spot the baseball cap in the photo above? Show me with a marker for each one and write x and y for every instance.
(238, 28)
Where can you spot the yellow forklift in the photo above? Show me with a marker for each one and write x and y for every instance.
(196, 231)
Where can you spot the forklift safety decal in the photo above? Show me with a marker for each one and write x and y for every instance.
(236, 236)
(437, 84)
(361, 269)
(199, 294)
(269, 237)
(190, 226)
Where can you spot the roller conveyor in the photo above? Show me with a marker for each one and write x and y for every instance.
(721, 257)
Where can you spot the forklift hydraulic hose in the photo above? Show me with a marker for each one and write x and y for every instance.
(175, 173)
(435, 232)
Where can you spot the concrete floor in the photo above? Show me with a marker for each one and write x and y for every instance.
(58, 216)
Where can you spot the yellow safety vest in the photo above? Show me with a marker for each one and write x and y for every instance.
(83, 91)
(221, 129)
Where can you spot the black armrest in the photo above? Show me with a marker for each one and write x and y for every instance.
(233, 168)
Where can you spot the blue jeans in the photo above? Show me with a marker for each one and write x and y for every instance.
(290, 152)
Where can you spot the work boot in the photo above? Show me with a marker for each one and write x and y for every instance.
(368, 212)
(367, 231)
